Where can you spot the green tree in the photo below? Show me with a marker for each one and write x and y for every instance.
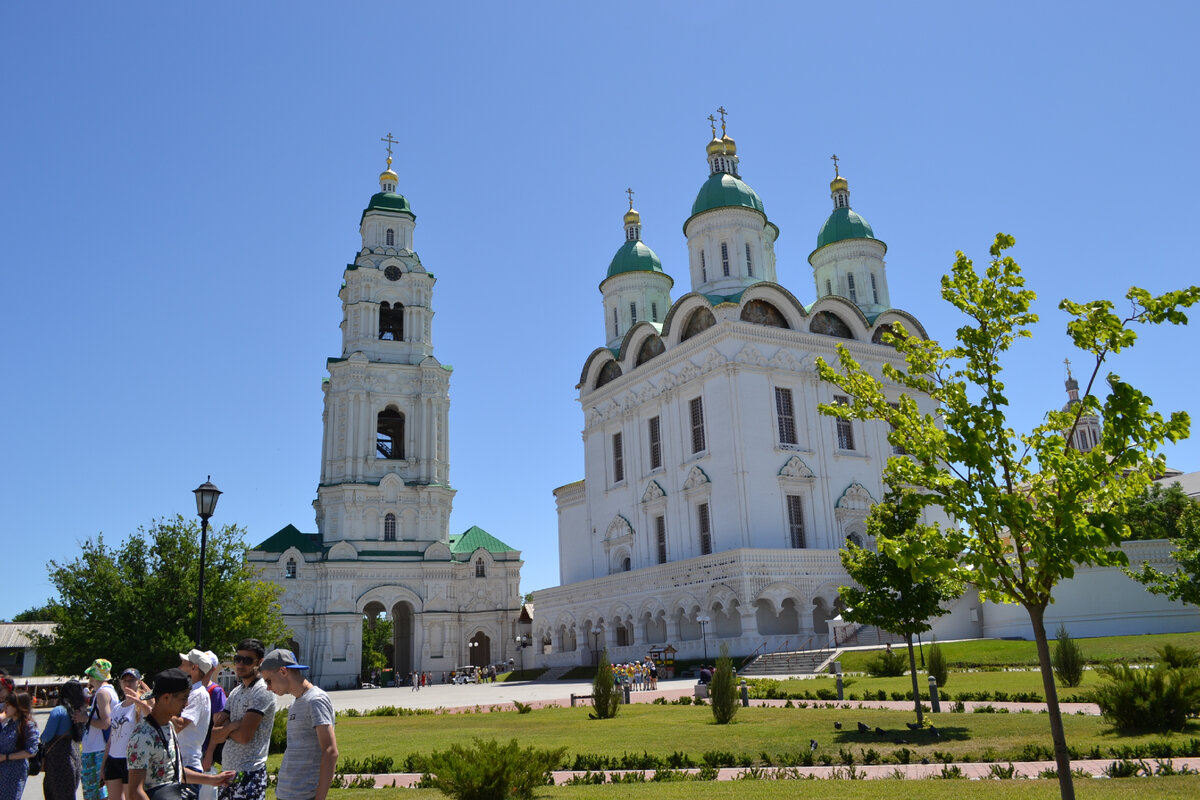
(136, 605)
(723, 689)
(935, 664)
(606, 698)
(1159, 513)
(1068, 659)
(1028, 508)
(376, 639)
(47, 613)
(888, 595)
(1183, 584)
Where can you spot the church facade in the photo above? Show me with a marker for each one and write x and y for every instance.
(382, 545)
(716, 498)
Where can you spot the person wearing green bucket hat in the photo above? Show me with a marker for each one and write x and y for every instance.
(104, 698)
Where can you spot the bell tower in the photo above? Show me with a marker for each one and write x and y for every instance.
(385, 470)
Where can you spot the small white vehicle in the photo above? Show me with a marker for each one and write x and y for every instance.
(467, 674)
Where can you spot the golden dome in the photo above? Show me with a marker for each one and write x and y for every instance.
(388, 175)
(730, 145)
(632, 217)
(839, 184)
(715, 147)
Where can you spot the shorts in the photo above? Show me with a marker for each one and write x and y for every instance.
(251, 785)
(92, 775)
(116, 769)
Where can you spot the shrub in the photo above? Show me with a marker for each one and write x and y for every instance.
(278, 732)
(1178, 657)
(935, 664)
(492, 771)
(1158, 698)
(1067, 659)
(888, 664)
(723, 690)
(606, 697)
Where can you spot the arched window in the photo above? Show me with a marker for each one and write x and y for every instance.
(290, 569)
(850, 286)
(725, 259)
(703, 267)
(390, 237)
(626, 564)
(389, 528)
(391, 321)
(855, 539)
(749, 262)
(480, 569)
(389, 434)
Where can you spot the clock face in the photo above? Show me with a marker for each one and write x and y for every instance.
(392, 273)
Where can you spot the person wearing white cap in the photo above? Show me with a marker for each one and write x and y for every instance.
(191, 726)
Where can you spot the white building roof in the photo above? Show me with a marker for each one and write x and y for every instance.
(12, 634)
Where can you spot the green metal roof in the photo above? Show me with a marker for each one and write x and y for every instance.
(389, 201)
(291, 536)
(634, 257)
(843, 224)
(473, 539)
(722, 190)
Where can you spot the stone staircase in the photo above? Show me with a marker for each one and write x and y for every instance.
(553, 674)
(797, 662)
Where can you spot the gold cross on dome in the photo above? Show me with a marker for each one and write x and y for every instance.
(722, 112)
(834, 158)
(629, 192)
(713, 122)
(1067, 362)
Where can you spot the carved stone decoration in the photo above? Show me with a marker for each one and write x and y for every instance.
(688, 373)
(695, 478)
(751, 355)
(713, 360)
(854, 504)
(618, 529)
(653, 492)
(783, 359)
(796, 468)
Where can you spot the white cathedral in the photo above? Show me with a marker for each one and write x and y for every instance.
(382, 544)
(716, 498)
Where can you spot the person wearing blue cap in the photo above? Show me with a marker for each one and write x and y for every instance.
(311, 754)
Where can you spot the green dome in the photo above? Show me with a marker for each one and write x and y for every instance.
(634, 257)
(722, 190)
(843, 224)
(389, 201)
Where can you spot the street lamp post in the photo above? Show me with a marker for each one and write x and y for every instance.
(704, 619)
(471, 649)
(206, 504)
(596, 644)
(522, 641)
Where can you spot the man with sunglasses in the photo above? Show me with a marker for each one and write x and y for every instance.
(245, 727)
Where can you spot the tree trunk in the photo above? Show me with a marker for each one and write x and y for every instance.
(912, 668)
(1062, 758)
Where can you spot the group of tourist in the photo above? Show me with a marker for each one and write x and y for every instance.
(637, 675)
(161, 742)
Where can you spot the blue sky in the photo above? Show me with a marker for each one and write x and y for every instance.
(182, 187)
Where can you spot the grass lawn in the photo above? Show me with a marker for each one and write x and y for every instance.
(1168, 788)
(1003, 652)
(993, 681)
(663, 730)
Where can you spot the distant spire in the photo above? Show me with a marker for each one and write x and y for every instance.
(388, 179)
(633, 221)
